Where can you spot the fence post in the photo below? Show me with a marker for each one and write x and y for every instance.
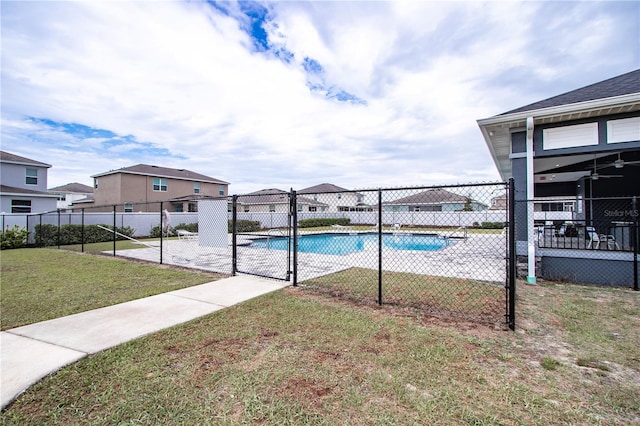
(512, 257)
(82, 231)
(634, 210)
(114, 230)
(58, 238)
(162, 225)
(379, 246)
(294, 211)
(40, 233)
(234, 236)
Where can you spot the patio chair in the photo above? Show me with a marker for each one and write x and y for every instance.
(593, 238)
(610, 240)
(186, 235)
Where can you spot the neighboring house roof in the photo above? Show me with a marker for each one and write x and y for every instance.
(4, 189)
(323, 187)
(163, 172)
(273, 196)
(616, 95)
(617, 86)
(432, 196)
(72, 187)
(85, 200)
(6, 157)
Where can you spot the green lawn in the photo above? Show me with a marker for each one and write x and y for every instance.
(300, 357)
(41, 284)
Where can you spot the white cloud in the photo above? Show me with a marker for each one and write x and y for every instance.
(183, 87)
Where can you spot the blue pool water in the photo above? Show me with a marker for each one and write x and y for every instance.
(345, 243)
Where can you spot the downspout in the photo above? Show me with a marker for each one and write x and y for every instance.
(531, 246)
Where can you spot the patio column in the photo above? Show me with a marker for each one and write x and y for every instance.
(531, 246)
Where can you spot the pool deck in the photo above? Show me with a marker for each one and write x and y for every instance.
(479, 257)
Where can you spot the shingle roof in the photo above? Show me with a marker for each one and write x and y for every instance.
(617, 86)
(13, 190)
(7, 157)
(73, 187)
(432, 196)
(148, 170)
(323, 187)
(273, 196)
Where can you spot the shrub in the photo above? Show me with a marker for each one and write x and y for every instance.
(493, 225)
(13, 238)
(245, 226)
(327, 221)
(47, 235)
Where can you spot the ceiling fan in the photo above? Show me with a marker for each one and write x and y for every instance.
(595, 175)
(619, 163)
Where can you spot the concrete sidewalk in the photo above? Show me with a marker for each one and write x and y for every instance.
(31, 352)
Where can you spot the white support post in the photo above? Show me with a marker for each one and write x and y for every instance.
(531, 246)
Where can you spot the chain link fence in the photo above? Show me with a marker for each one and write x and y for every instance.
(440, 249)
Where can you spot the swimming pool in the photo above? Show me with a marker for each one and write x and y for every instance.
(339, 244)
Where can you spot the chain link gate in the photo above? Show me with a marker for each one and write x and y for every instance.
(262, 240)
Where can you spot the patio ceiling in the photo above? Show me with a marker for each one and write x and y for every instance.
(497, 130)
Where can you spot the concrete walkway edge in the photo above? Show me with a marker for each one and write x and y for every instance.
(31, 352)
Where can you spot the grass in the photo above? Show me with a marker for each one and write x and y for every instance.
(298, 357)
(457, 296)
(41, 284)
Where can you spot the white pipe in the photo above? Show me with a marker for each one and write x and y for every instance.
(531, 247)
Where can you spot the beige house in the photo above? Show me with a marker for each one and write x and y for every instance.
(130, 188)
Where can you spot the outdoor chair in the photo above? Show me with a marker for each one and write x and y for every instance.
(593, 238)
(186, 235)
(610, 240)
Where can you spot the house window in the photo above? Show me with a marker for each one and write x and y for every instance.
(128, 207)
(95, 183)
(32, 177)
(196, 188)
(159, 184)
(313, 208)
(192, 207)
(272, 208)
(339, 196)
(315, 197)
(359, 198)
(299, 208)
(221, 190)
(20, 206)
(246, 209)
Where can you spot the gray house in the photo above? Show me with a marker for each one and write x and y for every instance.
(434, 200)
(24, 185)
(579, 151)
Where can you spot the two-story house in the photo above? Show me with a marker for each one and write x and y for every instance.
(23, 187)
(133, 188)
(70, 193)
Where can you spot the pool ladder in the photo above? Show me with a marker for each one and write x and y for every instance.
(272, 233)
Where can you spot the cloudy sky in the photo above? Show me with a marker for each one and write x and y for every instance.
(292, 94)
